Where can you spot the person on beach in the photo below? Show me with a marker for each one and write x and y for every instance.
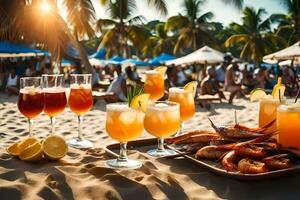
(230, 83)
(12, 82)
(221, 69)
(118, 85)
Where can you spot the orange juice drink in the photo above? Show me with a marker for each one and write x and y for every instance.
(154, 84)
(162, 120)
(268, 111)
(186, 100)
(123, 123)
(288, 123)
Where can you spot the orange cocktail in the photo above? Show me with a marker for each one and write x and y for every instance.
(80, 99)
(268, 111)
(162, 120)
(288, 124)
(154, 84)
(186, 100)
(123, 123)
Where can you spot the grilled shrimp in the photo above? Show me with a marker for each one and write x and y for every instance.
(229, 161)
(210, 152)
(233, 132)
(249, 166)
(280, 161)
(249, 151)
(256, 130)
(188, 135)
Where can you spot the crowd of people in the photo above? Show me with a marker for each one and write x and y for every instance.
(229, 77)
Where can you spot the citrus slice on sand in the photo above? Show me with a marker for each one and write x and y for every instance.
(32, 153)
(140, 101)
(257, 94)
(54, 147)
(161, 69)
(191, 86)
(16, 148)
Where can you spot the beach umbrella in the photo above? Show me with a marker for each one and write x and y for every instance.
(161, 59)
(204, 55)
(96, 62)
(289, 53)
(133, 62)
(65, 62)
(8, 50)
(100, 55)
(116, 60)
(289, 62)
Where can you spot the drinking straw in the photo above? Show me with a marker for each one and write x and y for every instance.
(297, 96)
(235, 118)
(279, 95)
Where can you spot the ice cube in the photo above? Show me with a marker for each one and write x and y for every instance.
(109, 118)
(161, 105)
(161, 117)
(172, 116)
(127, 118)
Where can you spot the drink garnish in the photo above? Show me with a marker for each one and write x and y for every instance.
(191, 86)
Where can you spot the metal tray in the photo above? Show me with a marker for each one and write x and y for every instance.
(215, 167)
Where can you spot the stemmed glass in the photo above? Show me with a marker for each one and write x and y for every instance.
(162, 120)
(123, 124)
(31, 99)
(55, 97)
(185, 98)
(154, 84)
(80, 102)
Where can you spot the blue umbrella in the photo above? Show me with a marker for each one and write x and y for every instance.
(116, 60)
(100, 55)
(65, 62)
(161, 59)
(135, 62)
(8, 49)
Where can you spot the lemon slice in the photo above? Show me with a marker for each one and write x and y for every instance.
(161, 69)
(257, 94)
(191, 86)
(54, 147)
(32, 153)
(140, 101)
(276, 89)
(14, 149)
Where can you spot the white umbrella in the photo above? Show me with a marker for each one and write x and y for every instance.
(289, 62)
(204, 55)
(288, 53)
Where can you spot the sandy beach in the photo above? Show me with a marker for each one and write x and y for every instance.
(82, 174)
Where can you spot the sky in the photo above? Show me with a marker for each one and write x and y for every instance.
(223, 13)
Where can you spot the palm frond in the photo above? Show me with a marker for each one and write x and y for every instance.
(160, 6)
(234, 39)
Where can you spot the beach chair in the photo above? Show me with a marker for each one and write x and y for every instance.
(205, 100)
(106, 96)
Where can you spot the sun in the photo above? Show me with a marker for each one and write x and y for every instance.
(45, 7)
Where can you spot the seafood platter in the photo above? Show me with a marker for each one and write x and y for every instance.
(238, 151)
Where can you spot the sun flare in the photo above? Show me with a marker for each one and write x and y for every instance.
(45, 7)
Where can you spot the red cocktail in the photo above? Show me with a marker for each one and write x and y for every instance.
(31, 102)
(55, 101)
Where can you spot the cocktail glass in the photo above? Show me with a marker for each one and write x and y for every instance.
(55, 97)
(123, 124)
(162, 120)
(154, 84)
(31, 99)
(80, 102)
(288, 124)
(185, 98)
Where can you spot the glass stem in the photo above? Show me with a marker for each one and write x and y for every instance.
(52, 120)
(160, 146)
(123, 155)
(30, 124)
(80, 120)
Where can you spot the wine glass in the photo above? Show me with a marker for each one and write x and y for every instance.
(80, 102)
(55, 97)
(162, 120)
(185, 98)
(123, 124)
(31, 99)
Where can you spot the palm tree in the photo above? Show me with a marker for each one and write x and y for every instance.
(159, 42)
(289, 25)
(124, 29)
(253, 35)
(237, 3)
(25, 21)
(192, 28)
